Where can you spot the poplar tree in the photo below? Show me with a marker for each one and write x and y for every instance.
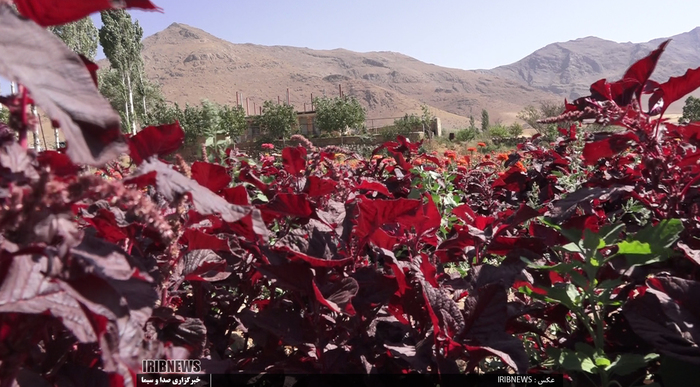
(121, 41)
(484, 121)
(80, 36)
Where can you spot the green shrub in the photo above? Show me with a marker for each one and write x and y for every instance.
(515, 130)
(466, 135)
(498, 131)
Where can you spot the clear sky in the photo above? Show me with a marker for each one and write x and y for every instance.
(463, 34)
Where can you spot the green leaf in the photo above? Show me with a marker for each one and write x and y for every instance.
(652, 244)
(591, 242)
(602, 361)
(573, 361)
(627, 363)
(663, 235)
(578, 279)
(585, 349)
(571, 248)
(262, 197)
(568, 296)
(562, 268)
(633, 247)
(610, 233)
(414, 194)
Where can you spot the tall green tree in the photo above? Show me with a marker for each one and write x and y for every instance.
(80, 36)
(484, 121)
(121, 41)
(277, 120)
(691, 110)
(338, 114)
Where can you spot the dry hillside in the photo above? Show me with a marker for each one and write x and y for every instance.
(191, 64)
(569, 68)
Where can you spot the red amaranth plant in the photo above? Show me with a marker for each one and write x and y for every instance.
(301, 263)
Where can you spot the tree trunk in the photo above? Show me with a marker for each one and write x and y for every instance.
(58, 139)
(143, 88)
(131, 104)
(126, 103)
(37, 142)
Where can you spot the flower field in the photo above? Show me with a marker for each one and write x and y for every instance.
(578, 257)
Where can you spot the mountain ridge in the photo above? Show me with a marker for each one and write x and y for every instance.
(191, 64)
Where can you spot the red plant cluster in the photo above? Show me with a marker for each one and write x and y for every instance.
(300, 263)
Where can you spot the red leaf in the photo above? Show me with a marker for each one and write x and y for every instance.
(294, 159)
(296, 205)
(236, 195)
(676, 87)
(376, 213)
(382, 239)
(464, 212)
(607, 147)
(316, 186)
(295, 256)
(641, 70)
(374, 186)
(213, 176)
(689, 133)
(621, 92)
(156, 141)
(60, 164)
(197, 240)
(51, 12)
(632, 83)
(519, 284)
(246, 176)
(431, 218)
(171, 183)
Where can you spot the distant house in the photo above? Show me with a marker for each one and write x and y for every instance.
(305, 120)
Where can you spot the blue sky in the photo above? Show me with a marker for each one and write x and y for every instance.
(462, 34)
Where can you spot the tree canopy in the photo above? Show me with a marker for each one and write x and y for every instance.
(121, 41)
(338, 114)
(691, 110)
(277, 120)
(80, 36)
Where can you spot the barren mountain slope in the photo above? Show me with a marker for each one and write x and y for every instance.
(569, 68)
(191, 64)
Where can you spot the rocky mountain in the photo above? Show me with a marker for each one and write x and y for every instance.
(191, 64)
(567, 69)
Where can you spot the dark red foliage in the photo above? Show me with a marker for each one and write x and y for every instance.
(213, 176)
(294, 159)
(156, 141)
(302, 264)
(51, 12)
(609, 146)
(64, 90)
